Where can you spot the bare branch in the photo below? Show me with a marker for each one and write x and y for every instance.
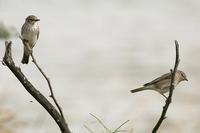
(45, 76)
(172, 86)
(49, 84)
(7, 59)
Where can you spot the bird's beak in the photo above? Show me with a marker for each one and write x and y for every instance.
(186, 79)
(37, 19)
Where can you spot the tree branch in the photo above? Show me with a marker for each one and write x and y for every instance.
(8, 61)
(49, 84)
(172, 86)
(45, 76)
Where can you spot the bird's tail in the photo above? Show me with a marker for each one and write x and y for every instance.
(140, 89)
(25, 58)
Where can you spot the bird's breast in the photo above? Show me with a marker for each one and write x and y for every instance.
(30, 34)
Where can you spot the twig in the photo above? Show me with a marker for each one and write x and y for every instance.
(7, 59)
(2, 63)
(47, 79)
(49, 84)
(172, 86)
(88, 129)
(117, 129)
(101, 123)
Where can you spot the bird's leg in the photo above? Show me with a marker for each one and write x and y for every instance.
(30, 50)
(163, 95)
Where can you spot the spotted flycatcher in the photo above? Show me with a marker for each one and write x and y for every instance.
(162, 83)
(29, 34)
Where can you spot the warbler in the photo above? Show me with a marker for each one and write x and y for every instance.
(162, 84)
(30, 34)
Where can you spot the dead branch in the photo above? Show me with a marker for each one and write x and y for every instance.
(45, 76)
(8, 61)
(49, 84)
(172, 86)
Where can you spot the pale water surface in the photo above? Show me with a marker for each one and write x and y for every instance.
(95, 51)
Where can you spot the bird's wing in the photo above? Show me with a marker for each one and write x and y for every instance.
(22, 30)
(38, 33)
(164, 76)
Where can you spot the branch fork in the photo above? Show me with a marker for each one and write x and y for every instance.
(56, 115)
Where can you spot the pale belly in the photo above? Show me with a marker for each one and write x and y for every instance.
(30, 36)
(164, 85)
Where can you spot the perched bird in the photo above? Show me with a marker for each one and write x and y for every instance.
(29, 35)
(162, 83)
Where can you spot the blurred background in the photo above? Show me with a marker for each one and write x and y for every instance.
(94, 52)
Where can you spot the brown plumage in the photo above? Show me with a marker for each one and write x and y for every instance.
(30, 34)
(162, 83)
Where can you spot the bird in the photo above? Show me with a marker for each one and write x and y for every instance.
(162, 84)
(29, 34)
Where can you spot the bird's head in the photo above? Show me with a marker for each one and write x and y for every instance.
(182, 75)
(32, 19)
